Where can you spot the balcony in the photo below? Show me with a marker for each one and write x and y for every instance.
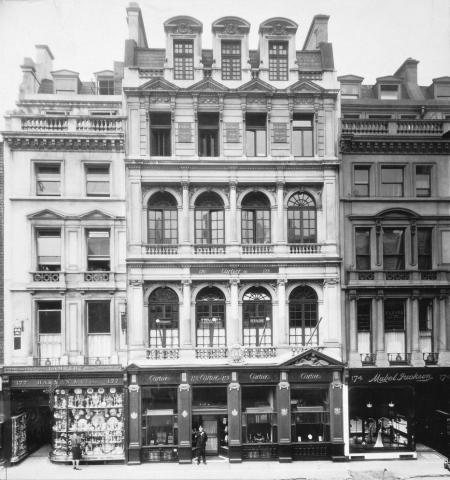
(96, 276)
(368, 359)
(97, 360)
(44, 124)
(97, 124)
(393, 127)
(381, 277)
(211, 352)
(47, 277)
(259, 352)
(305, 248)
(399, 358)
(210, 249)
(431, 358)
(160, 249)
(257, 249)
(47, 361)
(163, 353)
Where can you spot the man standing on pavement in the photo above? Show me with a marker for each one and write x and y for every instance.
(200, 443)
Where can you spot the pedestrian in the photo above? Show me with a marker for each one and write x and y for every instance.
(200, 443)
(194, 443)
(75, 439)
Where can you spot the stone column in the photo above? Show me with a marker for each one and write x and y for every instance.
(353, 328)
(414, 322)
(233, 214)
(336, 416)
(134, 430)
(379, 321)
(185, 236)
(135, 318)
(280, 328)
(444, 340)
(233, 337)
(185, 326)
(234, 419)
(280, 237)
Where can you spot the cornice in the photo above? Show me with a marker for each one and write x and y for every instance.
(394, 146)
(64, 141)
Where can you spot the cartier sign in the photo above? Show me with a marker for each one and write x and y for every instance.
(258, 377)
(212, 377)
(309, 376)
(160, 378)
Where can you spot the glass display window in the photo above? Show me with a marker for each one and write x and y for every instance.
(159, 416)
(259, 422)
(310, 414)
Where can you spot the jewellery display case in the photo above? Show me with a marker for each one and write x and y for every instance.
(19, 448)
(97, 415)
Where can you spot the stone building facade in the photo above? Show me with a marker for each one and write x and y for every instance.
(394, 197)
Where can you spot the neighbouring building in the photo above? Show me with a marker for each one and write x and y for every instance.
(65, 274)
(233, 259)
(395, 147)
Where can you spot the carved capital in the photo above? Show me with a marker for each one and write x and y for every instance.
(234, 386)
(284, 386)
(135, 283)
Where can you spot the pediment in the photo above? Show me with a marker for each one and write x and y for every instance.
(64, 73)
(160, 84)
(397, 213)
(350, 79)
(183, 25)
(312, 358)
(208, 85)
(256, 85)
(305, 87)
(231, 25)
(96, 215)
(278, 26)
(46, 215)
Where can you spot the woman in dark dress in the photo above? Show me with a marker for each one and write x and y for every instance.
(76, 450)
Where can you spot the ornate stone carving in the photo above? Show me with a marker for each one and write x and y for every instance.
(184, 387)
(184, 28)
(135, 283)
(208, 99)
(251, 99)
(328, 282)
(284, 386)
(133, 388)
(304, 100)
(102, 143)
(160, 99)
(231, 28)
(278, 29)
(234, 386)
(311, 359)
(377, 147)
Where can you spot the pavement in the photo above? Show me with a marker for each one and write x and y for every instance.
(429, 464)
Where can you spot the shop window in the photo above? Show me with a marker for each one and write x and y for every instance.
(278, 60)
(256, 134)
(310, 414)
(231, 60)
(423, 181)
(98, 316)
(303, 317)
(48, 179)
(48, 250)
(424, 248)
(364, 324)
(301, 219)
(98, 254)
(393, 249)
(395, 327)
(362, 248)
(257, 317)
(210, 318)
(162, 219)
(302, 135)
(209, 219)
(255, 220)
(389, 92)
(163, 307)
(159, 420)
(183, 59)
(392, 182)
(208, 134)
(160, 134)
(259, 422)
(380, 418)
(49, 317)
(97, 180)
(426, 325)
(105, 86)
(361, 179)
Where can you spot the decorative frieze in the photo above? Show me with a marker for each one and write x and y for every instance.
(395, 147)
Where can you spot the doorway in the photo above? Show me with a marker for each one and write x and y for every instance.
(216, 427)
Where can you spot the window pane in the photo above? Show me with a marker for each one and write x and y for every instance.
(98, 317)
(394, 315)
(393, 249)
(48, 179)
(261, 143)
(98, 243)
(423, 181)
(363, 319)
(48, 249)
(251, 143)
(362, 248)
(307, 143)
(297, 142)
(49, 317)
(424, 247)
(392, 182)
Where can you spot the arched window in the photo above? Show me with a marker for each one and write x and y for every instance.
(255, 223)
(163, 311)
(301, 219)
(303, 311)
(257, 317)
(162, 219)
(210, 318)
(209, 219)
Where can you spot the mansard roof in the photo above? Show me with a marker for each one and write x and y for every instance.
(278, 26)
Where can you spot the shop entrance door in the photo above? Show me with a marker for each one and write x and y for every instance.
(216, 428)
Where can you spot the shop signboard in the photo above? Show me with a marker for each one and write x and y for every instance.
(206, 322)
(159, 378)
(233, 270)
(378, 377)
(258, 321)
(259, 377)
(310, 376)
(64, 382)
(209, 377)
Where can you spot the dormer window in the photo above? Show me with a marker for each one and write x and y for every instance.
(231, 60)
(183, 59)
(350, 91)
(105, 86)
(278, 60)
(389, 92)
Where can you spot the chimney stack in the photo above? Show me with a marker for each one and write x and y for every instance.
(44, 62)
(136, 30)
(317, 33)
(408, 71)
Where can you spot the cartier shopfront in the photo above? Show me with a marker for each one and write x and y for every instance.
(285, 413)
(392, 409)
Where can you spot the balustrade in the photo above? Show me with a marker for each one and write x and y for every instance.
(431, 358)
(259, 352)
(304, 248)
(257, 249)
(49, 277)
(96, 276)
(209, 249)
(161, 249)
(399, 358)
(392, 127)
(99, 124)
(211, 352)
(163, 353)
(368, 358)
(44, 124)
